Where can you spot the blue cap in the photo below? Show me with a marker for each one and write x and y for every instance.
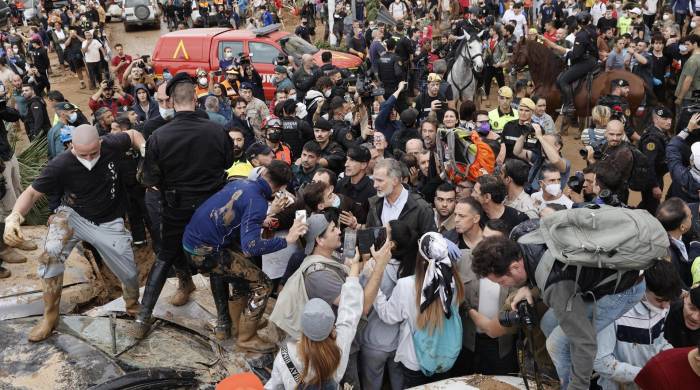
(246, 85)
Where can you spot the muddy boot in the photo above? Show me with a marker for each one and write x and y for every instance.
(82, 84)
(154, 285)
(131, 301)
(219, 290)
(185, 287)
(248, 339)
(4, 272)
(52, 299)
(235, 307)
(11, 256)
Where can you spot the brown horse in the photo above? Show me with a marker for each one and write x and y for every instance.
(545, 67)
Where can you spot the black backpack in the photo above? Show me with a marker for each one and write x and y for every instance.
(641, 169)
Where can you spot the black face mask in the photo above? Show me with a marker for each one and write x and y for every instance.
(275, 136)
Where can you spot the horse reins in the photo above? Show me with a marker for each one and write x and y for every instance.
(469, 60)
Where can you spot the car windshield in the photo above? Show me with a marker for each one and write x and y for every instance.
(134, 3)
(295, 46)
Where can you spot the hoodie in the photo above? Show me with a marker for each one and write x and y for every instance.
(152, 105)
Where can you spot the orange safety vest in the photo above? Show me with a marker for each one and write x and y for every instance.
(283, 153)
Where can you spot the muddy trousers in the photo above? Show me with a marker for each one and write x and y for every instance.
(170, 256)
(111, 239)
(227, 267)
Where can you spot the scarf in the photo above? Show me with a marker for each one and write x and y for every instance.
(438, 282)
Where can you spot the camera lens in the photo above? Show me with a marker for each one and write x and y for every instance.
(509, 318)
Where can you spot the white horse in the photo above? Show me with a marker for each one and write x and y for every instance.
(469, 61)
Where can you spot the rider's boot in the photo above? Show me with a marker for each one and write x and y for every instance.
(567, 98)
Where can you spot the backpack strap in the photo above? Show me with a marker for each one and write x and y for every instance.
(591, 135)
(290, 365)
(543, 269)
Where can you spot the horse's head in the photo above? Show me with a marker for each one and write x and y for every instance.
(475, 50)
(520, 53)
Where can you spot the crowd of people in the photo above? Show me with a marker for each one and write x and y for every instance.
(398, 235)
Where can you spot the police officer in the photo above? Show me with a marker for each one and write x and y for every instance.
(653, 144)
(295, 132)
(186, 159)
(504, 113)
(390, 69)
(619, 107)
(344, 132)
(582, 58)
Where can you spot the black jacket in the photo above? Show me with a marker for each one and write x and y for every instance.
(37, 119)
(359, 193)
(416, 213)
(7, 114)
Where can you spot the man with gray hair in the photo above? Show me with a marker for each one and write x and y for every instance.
(91, 210)
(393, 201)
(211, 104)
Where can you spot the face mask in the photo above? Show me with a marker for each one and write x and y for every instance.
(72, 117)
(167, 76)
(336, 201)
(651, 307)
(553, 189)
(275, 136)
(228, 56)
(682, 47)
(348, 117)
(327, 94)
(484, 128)
(203, 81)
(292, 97)
(89, 164)
(166, 113)
(693, 24)
(666, 17)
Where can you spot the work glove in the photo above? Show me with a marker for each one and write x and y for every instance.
(13, 232)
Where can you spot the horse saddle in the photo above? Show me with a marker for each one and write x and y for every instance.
(588, 79)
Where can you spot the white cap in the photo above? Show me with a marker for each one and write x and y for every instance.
(695, 149)
(636, 10)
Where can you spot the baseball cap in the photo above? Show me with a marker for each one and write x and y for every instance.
(636, 10)
(64, 106)
(101, 111)
(359, 153)
(246, 85)
(408, 116)
(231, 70)
(280, 69)
(323, 124)
(180, 77)
(317, 224)
(528, 103)
(505, 92)
(317, 320)
(695, 296)
(663, 112)
(256, 149)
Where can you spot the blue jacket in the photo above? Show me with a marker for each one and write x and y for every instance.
(685, 182)
(235, 213)
(53, 139)
(383, 123)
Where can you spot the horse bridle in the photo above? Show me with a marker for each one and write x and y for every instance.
(469, 60)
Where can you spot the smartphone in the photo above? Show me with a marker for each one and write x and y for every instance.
(379, 237)
(365, 239)
(350, 243)
(217, 73)
(301, 214)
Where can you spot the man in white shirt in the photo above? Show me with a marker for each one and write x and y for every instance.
(551, 191)
(398, 10)
(92, 49)
(514, 174)
(519, 19)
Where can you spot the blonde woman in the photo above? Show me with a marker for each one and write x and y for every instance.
(600, 116)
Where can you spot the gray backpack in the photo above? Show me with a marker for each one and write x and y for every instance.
(599, 237)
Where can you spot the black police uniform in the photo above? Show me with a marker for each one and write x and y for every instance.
(295, 133)
(344, 133)
(335, 155)
(391, 72)
(620, 109)
(653, 144)
(187, 166)
(583, 58)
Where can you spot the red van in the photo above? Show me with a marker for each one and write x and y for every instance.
(190, 49)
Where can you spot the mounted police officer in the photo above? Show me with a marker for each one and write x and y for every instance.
(582, 58)
(185, 159)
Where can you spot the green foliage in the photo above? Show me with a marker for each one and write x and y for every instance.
(372, 7)
(31, 161)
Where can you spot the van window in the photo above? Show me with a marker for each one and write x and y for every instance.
(262, 52)
(236, 46)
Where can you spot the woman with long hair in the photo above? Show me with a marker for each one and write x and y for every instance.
(424, 301)
(319, 359)
(495, 56)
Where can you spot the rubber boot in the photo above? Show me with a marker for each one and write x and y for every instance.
(154, 285)
(235, 308)
(567, 95)
(52, 300)
(4, 272)
(131, 301)
(248, 339)
(185, 286)
(26, 245)
(11, 256)
(220, 292)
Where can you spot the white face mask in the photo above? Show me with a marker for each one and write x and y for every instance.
(166, 113)
(228, 56)
(89, 164)
(553, 189)
(348, 117)
(73, 117)
(693, 24)
(203, 81)
(327, 93)
(336, 201)
(666, 17)
(682, 48)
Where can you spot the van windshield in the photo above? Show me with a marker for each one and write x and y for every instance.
(295, 46)
(134, 3)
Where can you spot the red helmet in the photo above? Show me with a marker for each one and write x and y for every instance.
(272, 121)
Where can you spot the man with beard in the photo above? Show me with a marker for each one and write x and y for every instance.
(393, 201)
(445, 198)
(240, 167)
(305, 167)
(240, 121)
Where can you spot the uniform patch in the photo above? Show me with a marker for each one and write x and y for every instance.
(651, 146)
(627, 112)
(348, 136)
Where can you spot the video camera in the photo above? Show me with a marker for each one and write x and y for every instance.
(576, 182)
(524, 316)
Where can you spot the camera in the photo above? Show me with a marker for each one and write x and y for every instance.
(610, 198)
(576, 182)
(597, 151)
(110, 83)
(524, 316)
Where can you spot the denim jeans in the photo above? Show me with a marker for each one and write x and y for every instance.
(607, 310)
